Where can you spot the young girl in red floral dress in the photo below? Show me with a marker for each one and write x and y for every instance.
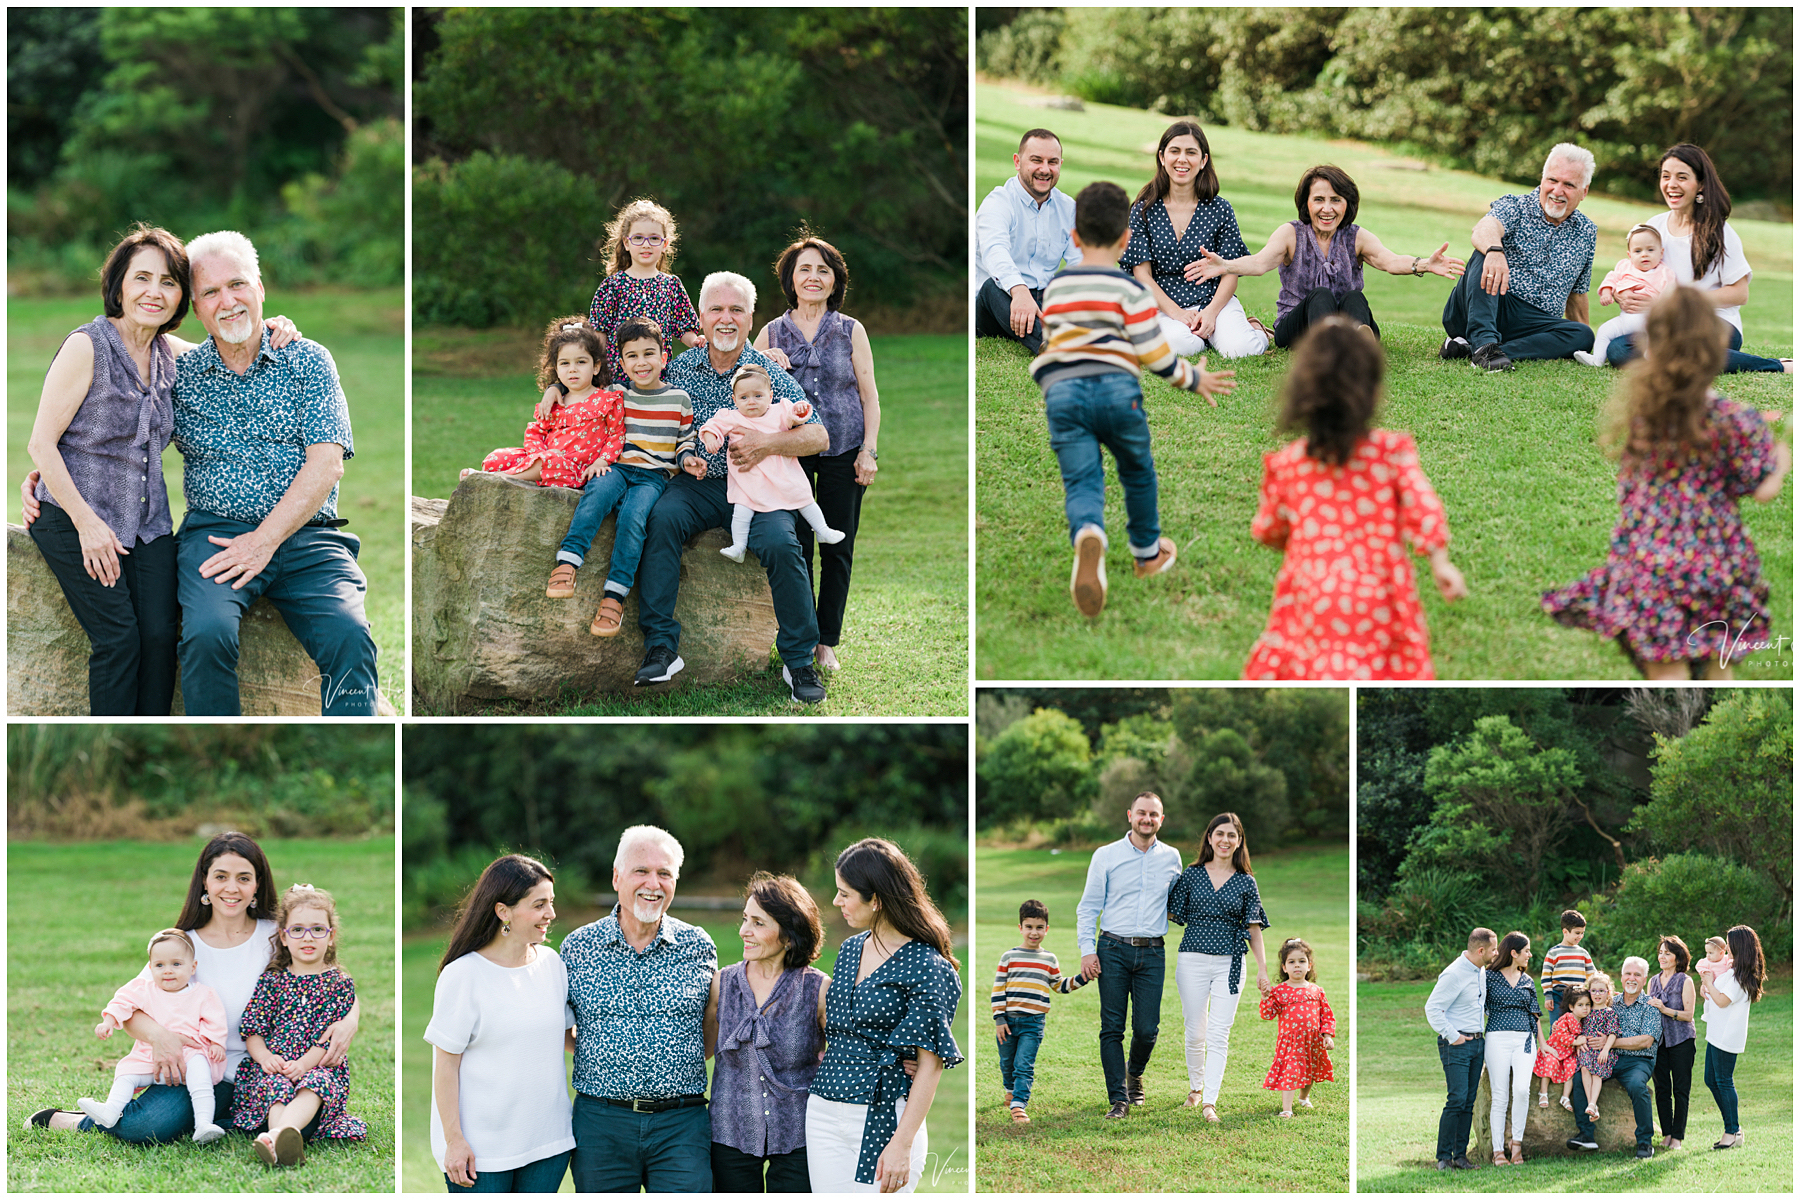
(1306, 1029)
(585, 428)
(1556, 1057)
(1682, 581)
(1342, 503)
(639, 251)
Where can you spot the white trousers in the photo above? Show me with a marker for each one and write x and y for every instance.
(834, 1134)
(1207, 1010)
(1620, 326)
(1233, 336)
(1509, 1076)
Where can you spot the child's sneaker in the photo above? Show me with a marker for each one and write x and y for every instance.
(734, 553)
(102, 1116)
(1589, 359)
(1019, 1117)
(207, 1133)
(1156, 564)
(1087, 581)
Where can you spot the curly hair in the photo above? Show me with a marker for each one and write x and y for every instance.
(1291, 945)
(1659, 408)
(562, 332)
(302, 895)
(612, 248)
(1332, 390)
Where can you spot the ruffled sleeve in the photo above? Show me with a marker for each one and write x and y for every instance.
(1253, 909)
(1138, 249)
(1180, 896)
(933, 992)
(612, 425)
(1746, 446)
(1327, 1021)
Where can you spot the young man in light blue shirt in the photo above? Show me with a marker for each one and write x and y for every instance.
(1119, 925)
(1021, 237)
(1457, 1011)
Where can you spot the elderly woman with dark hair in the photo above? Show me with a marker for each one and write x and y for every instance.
(1320, 258)
(828, 354)
(1671, 993)
(771, 1010)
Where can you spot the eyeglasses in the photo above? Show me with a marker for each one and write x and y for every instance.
(647, 240)
(302, 932)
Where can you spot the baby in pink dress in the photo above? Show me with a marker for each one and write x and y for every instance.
(776, 483)
(1642, 271)
(168, 994)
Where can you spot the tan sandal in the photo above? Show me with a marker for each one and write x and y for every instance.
(562, 582)
(607, 621)
(1210, 1112)
(265, 1148)
(1500, 1158)
(290, 1147)
(1193, 1100)
(1518, 1153)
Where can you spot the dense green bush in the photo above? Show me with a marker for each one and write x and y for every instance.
(350, 228)
(1029, 48)
(1037, 768)
(1693, 896)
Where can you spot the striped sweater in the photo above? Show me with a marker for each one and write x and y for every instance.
(659, 428)
(1566, 966)
(1099, 320)
(1024, 981)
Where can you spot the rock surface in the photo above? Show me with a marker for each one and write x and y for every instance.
(47, 653)
(483, 629)
(1547, 1130)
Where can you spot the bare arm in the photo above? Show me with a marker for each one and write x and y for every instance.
(65, 388)
(1577, 307)
(1731, 294)
(1438, 262)
(339, 1033)
(1770, 487)
(862, 361)
(1487, 232)
(894, 1165)
(244, 556)
(1278, 253)
(1262, 965)
(446, 1088)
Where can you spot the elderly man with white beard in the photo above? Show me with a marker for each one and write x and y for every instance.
(695, 499)
(639, 984)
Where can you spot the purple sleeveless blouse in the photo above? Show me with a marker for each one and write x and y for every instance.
(113, 447)
(1341, 270)
(1673, 1032)
(766, 1061)
(822, 369)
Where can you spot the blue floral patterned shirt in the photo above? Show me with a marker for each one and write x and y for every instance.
(1545, 263)
(1636, 1020)
(639, 1015)
(692, 372)
(243, 438)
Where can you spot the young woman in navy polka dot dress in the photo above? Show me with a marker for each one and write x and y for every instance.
(1176, 215)
(893, 997)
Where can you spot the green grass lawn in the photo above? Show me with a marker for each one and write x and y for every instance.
(947, 1168)
(905, 647)
(1069, 1145)
(1530, 509)
(365, 333)
(53, 1001)
(1400, 1092)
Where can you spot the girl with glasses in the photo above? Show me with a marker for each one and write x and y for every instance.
(639, 252)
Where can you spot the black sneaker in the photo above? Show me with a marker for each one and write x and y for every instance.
(1454, 347)
(1488, 358)
(660, 665)
(1119, 1111)
(1575, 1143)
(1644, 1152)
(803, 684)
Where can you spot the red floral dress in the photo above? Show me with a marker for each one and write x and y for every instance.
(1306, 1021)
(290, 1013)
(569, 440)
(1556, 1057)
(1346, 606)
(1680, 562)
(623, 297)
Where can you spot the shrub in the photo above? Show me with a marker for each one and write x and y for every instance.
(1037, 767)
(1433, 907)
(351, 229)
(1693, 896)
(1030, 48)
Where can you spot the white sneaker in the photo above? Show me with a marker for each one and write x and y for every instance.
(734, 553)
(102, 1116)
(830, 537)
(207, 1133)
(1588, 359)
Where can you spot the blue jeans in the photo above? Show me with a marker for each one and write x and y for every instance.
(1104, 410)
(1462, 1076)
(617, 1150)
(544, 1175)
(1620, 351)
(1523, 330)
(312, 579)
(1018, 1054)
(161, 1114)
(1129, 975)
(1720, 1064)
(1631, 1072)
(634, 491)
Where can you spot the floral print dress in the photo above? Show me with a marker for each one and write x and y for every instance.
(1556, 1057)
(1346, 604)
(623, 297)
(1305, 1022)
(1601, 1024)
(290, 1013)
(575, 435)
(1680, 562)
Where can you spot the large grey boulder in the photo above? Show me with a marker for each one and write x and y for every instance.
(47, 653)
(1548, 1130)
(483, 629)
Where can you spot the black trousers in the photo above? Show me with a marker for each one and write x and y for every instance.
(735, 1171)
(840, 498)
(993, 316)
(1674, 1079)
(1319, 304)
(132, 627)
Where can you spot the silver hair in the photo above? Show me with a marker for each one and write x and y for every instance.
(1567, 152)
(1641, 965)
(639, 835)
(711, 283)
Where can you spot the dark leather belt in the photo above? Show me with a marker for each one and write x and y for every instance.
(1138, 942)
(654, 1106)
(1471, 1036)
(328, 522)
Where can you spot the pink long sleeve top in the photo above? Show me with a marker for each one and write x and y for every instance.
(777, 482)
(195, 1011)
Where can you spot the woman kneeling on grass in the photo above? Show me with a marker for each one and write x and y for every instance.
(1681, 574)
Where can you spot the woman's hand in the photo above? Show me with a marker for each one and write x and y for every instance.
(1440, 263)
(168, 1057)
(1633, 300)
(866, 466)
(100, 551)
(776, 355)
(1262, 980)
(459, 1160)
(338, 1034)
(895, 1165)
(1205, 321)
(1207, 266)
(281, 332)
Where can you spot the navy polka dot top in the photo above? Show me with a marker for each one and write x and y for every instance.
(1214, 225)
(1218, 920)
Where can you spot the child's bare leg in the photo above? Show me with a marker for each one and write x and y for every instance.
(530, 474)
(1287, 1101)
(1305, 1093)
(1663, 672)
(1716, 672)
(1543, 1089)
(296, 1112)
(1590, 1083)
(1568, 1087)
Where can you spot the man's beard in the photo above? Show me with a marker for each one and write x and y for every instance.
(243, 335)
(646, 911)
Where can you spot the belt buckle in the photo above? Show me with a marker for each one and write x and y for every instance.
(636, 1105)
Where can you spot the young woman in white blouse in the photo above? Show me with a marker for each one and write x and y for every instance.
(1729, 996)
(500, 1112)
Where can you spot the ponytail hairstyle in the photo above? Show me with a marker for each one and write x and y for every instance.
(1712, 204)
(1659, 408)
(1312, 963)
(302, 895)
(1332, 390)
(572, 330)
(613, 250)
(505, 881)
(1746, 960)
(879, 870)
(1206, 183)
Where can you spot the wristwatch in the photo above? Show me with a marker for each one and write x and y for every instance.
(1496, 250)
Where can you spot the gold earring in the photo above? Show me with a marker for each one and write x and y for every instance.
(505, 928)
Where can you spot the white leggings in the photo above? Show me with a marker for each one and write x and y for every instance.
(1620, 326)
(1509, 1076)
(1207, 1010)
(1232, 337)
(740, 522)
(834, 1134)
(199, 1088)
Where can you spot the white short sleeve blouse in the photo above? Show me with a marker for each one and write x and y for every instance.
(1678, 256)
(1727, 1028)
(513, 1089)
(233, 974)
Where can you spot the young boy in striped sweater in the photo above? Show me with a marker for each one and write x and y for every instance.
(1100, 332)
(1566, 966)
(659, 440)
(1023, 984)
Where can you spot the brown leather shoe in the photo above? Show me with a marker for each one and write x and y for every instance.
(1160, 562)
(608, 619)
(562, 582)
